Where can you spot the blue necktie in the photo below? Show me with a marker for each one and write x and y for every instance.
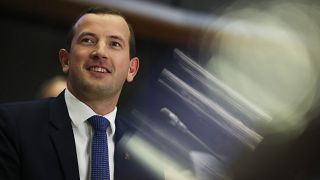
(99, 158)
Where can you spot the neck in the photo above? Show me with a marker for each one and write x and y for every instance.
(101, 107)
(100, 104)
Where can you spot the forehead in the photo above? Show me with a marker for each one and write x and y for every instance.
(104, 24)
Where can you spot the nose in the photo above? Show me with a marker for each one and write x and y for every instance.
(100, 52)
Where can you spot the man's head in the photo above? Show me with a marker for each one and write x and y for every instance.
(98, 61)
(102, 11)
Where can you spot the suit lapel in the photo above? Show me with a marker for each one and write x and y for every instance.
(121, 156)
(63, 138)
(128, 166)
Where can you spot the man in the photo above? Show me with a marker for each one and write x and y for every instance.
(51, 138)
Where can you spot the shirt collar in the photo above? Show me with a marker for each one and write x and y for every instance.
(79, 112)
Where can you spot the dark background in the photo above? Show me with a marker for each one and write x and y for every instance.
(32, 32)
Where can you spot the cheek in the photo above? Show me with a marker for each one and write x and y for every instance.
(78, 59)
(121, 61)
(125, 65)
(75, 68)
(123, 70)
(80, 55)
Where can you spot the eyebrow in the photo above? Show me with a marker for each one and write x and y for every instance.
(118, 38)
(111, 36)
(87, 34)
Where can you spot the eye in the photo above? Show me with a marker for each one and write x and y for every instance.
(87, 40)
(115, 44)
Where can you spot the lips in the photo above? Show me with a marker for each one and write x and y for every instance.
(99, 69)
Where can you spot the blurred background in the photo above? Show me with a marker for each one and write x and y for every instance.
(33, 32)
(222, 83)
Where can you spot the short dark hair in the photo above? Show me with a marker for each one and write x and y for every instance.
(103, 10)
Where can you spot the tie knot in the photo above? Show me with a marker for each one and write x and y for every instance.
(98, 123)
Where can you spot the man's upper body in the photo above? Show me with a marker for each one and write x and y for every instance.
(83, 133)
(41, 139)
(37, 142)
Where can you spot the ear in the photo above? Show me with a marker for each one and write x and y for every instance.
(64, 60)
(133, 69)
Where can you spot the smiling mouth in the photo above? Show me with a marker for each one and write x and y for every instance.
(99, 69)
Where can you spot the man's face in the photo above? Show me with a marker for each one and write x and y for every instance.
(98, 63)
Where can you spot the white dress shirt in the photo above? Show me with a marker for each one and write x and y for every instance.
(79, 112)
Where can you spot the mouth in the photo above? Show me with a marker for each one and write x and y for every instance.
(99, 69)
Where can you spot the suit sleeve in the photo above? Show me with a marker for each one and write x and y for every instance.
(9, 156)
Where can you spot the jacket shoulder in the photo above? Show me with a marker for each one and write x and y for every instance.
(27, 108)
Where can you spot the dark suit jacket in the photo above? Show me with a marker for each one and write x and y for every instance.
(37, 143)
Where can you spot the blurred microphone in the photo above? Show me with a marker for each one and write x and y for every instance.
(176, 122)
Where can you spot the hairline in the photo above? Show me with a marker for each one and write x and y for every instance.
(71, 33)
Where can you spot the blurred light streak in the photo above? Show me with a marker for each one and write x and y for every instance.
(214, 85)
(210, 109)
(177, 123)
(157, 11)
(213, 167)
(162, 136)
(269, 52)
(203, 165)
(155, 160)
